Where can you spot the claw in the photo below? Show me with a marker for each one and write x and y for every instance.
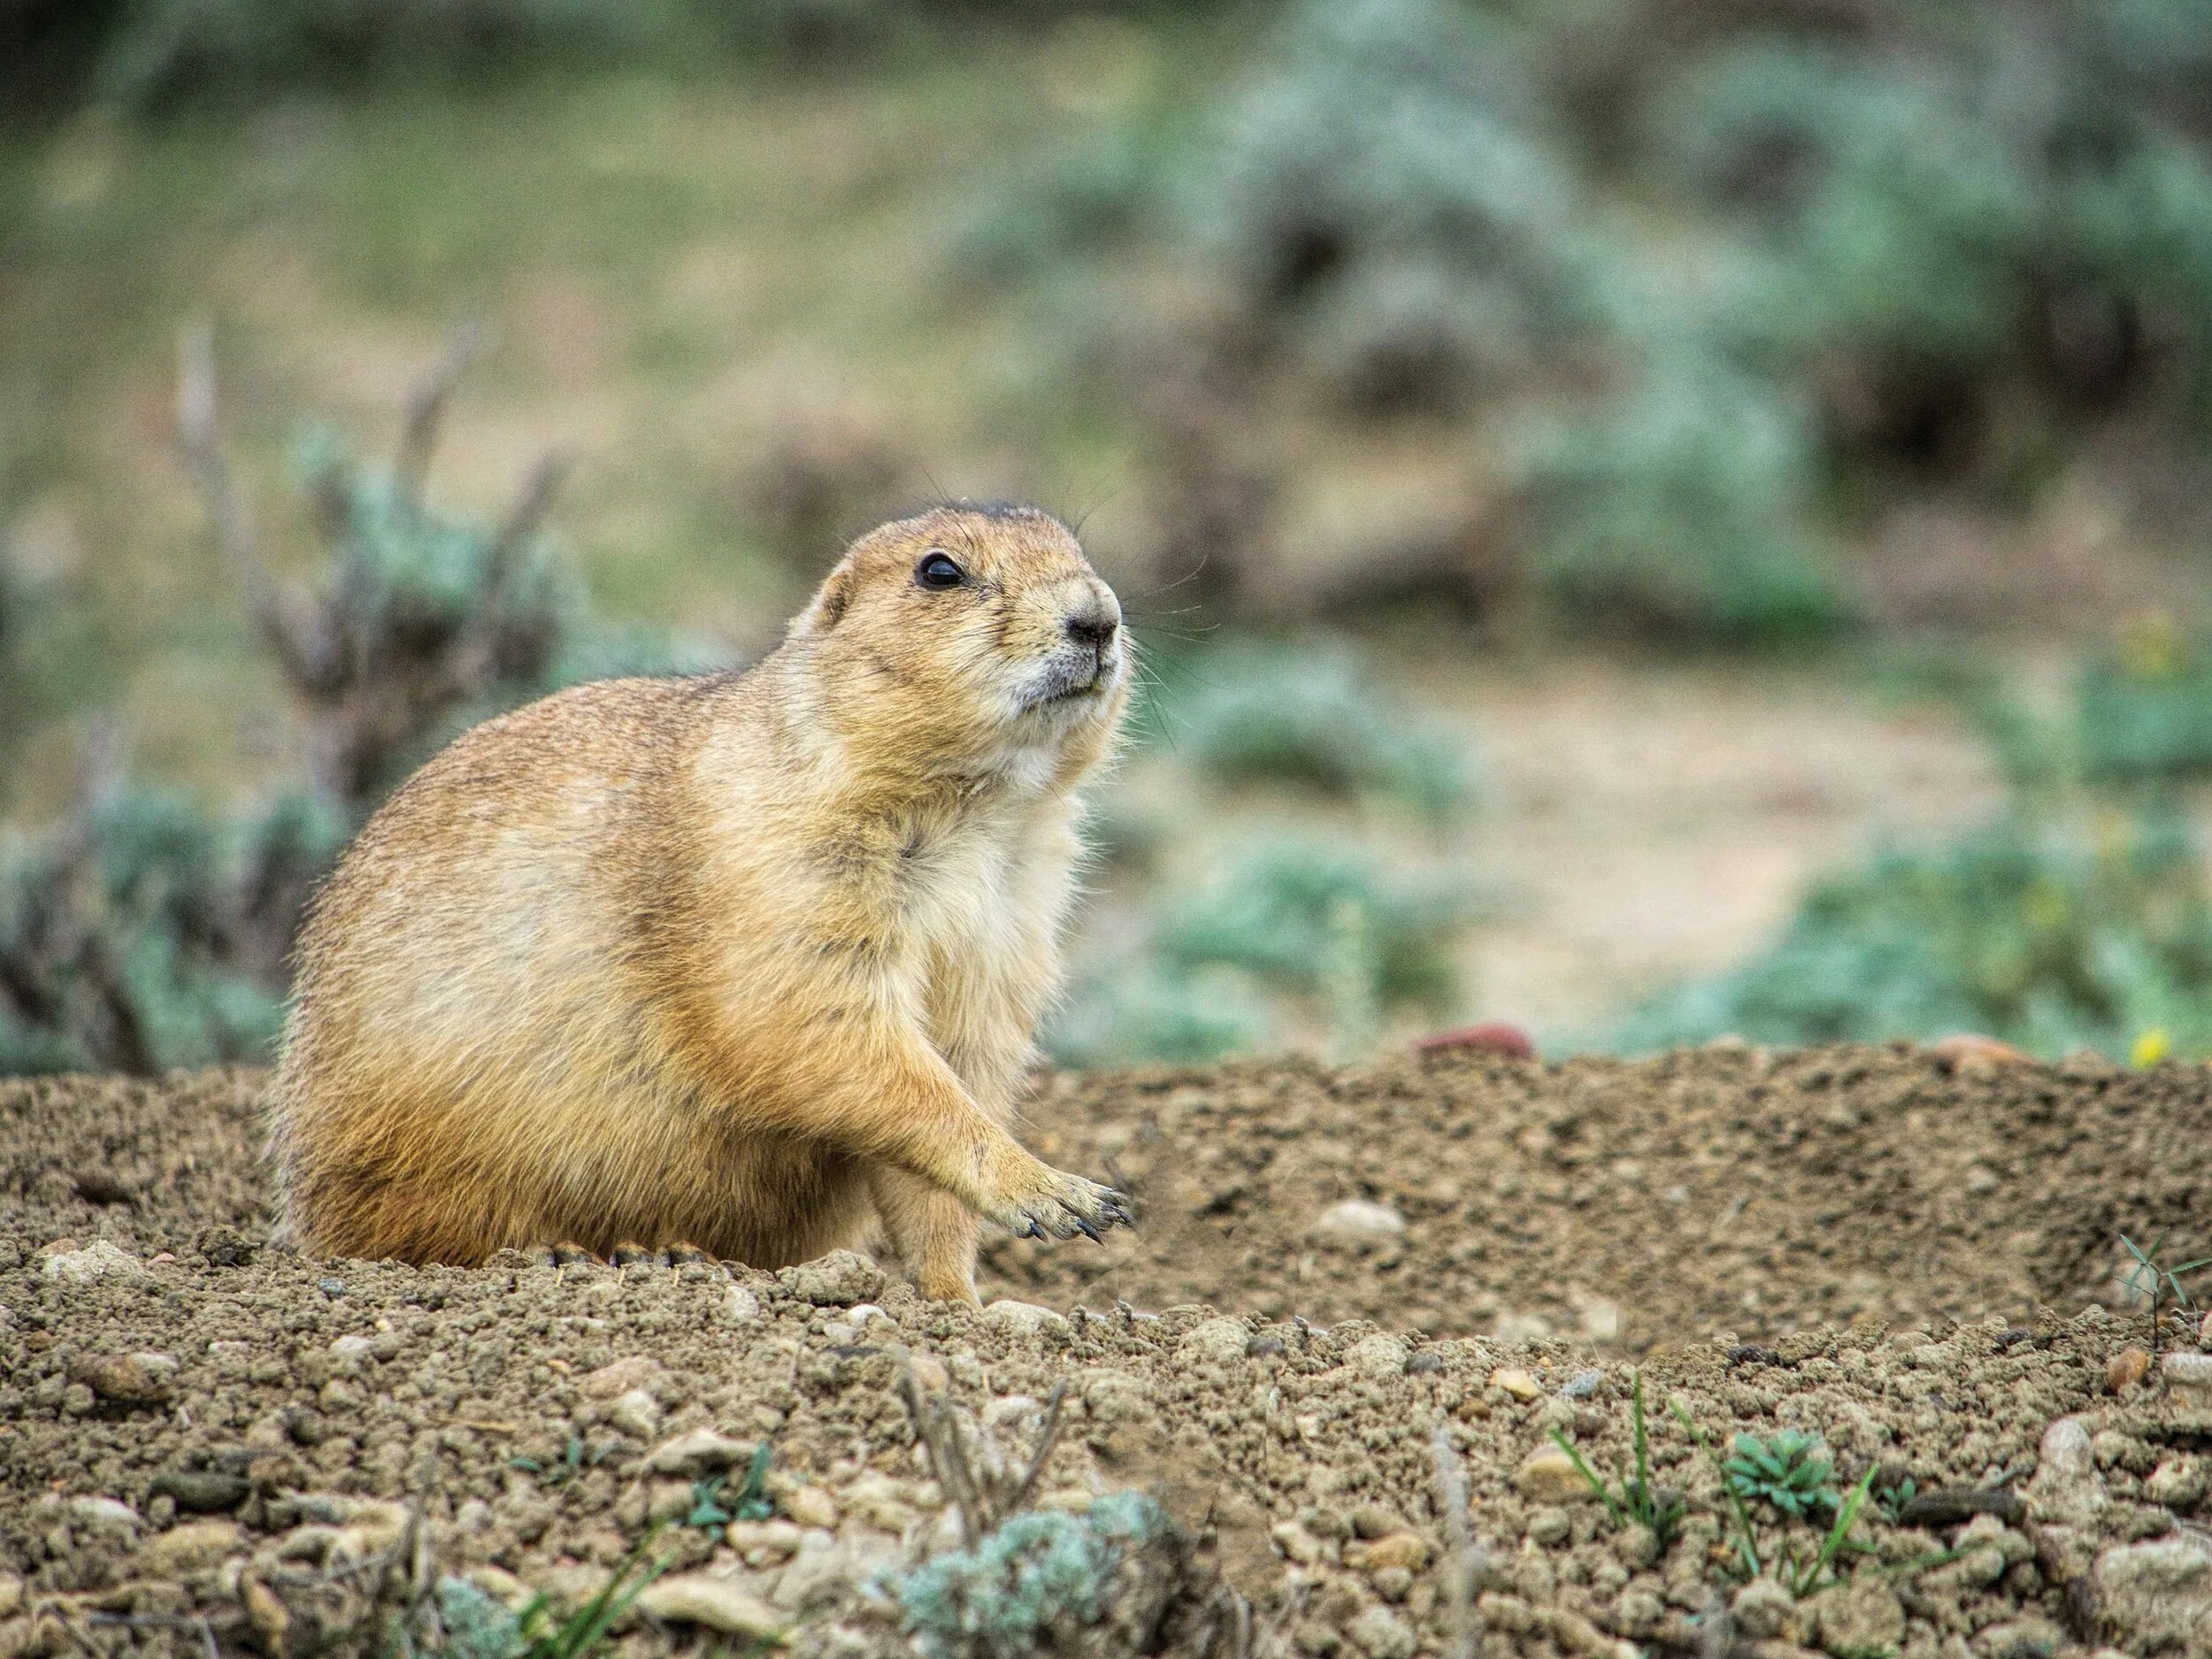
(1090, 1231)
(1031, 1228)
(1115, 1216)
(628, 1254)
(681, 1255)
(567, 1255)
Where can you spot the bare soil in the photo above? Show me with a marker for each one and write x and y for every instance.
(207, 1442)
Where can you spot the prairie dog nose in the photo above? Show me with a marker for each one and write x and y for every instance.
(1093, 623)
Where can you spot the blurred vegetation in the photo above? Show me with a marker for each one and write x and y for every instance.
(2144, 707)
(1676, 307)
(2053, 930)
(1292, 941)
(1305, 712)
(2080, 918)
(1735, 276)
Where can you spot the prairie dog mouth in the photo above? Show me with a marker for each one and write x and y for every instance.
(1064, 681)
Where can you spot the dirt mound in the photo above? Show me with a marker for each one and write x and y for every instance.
(204, 1442)
(1632, 1204)
(1716, 1194)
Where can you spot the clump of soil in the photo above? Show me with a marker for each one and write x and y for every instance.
(205, 1439)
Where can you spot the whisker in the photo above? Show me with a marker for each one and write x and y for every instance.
(1180, 610)
(1189, 575)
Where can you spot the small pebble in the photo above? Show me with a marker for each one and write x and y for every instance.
(332, 1288)
(98, 1260)
(810, 1506)
(1582, 1386)
(136, 1379)
(930, 1373)
(2127, 1368)
(1028, 1317)
(701, 1452)
(202, 1491)
(1520, 1383)
(635, 1413)
(1490, 1037)
(1549, 1525)
(618, 1377)
(1380, 1633)
(1548, 1475)
(1402, 1548)
(699, 1597)
(1970, 1055)
(1375, 1521)
(1358, 1221)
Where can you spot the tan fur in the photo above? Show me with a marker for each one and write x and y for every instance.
(734, 959)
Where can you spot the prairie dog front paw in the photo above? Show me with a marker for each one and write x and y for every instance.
(1042, 1202)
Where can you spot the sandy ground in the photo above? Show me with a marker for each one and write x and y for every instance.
(204, 1441)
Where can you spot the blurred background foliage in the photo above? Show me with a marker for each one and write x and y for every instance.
(1441, 377)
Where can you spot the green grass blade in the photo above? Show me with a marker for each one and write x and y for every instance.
(1582, 1468)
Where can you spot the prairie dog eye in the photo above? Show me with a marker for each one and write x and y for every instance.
(937, 571)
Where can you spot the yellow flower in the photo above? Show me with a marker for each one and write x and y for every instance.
(2152, 1047)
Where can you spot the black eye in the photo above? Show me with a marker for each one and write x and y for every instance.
(937, 571)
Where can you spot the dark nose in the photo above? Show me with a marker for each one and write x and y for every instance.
(1092, 627)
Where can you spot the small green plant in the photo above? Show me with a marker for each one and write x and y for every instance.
(1637, 1502)
(1381, 193)
(479, 1626)
(1802, 1581)
(1036, 1576)
(2153, 1280)
(1893, 1497)
(1788, 1469)
(713, 1510)
(575, 1458)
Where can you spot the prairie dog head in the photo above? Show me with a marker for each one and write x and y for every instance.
(971, 637)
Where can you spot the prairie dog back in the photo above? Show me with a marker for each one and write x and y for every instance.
(731, 961)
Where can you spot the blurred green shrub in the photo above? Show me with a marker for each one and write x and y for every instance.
(120, 945)
(1294, 937)
(2055, 928)
(1305, 713)
(2144, 708)
(1382, 189)
(1958, 211)
(1679, 509)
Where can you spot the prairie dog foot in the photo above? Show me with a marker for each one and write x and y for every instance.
(1047, 1204)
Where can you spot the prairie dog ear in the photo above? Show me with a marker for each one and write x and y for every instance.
(827, 605)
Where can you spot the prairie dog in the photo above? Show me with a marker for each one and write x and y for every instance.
(728, 959)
